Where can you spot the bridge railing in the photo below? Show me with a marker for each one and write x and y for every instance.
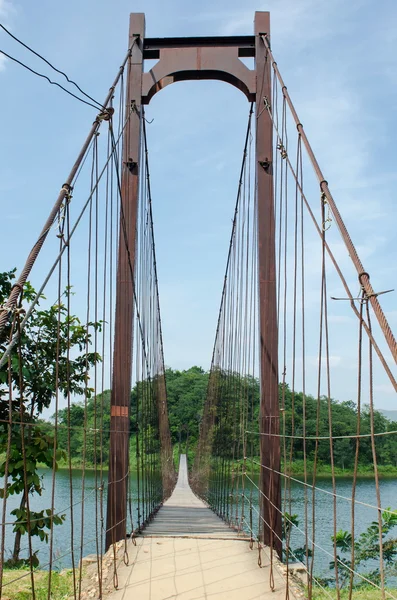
(57, 416)
(312, 478)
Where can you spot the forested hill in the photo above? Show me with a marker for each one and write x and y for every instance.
(186, 392)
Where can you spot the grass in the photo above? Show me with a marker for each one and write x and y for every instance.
(17, 585)
(367, 593)
(297, 469)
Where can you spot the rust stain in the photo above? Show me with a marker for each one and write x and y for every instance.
(119, 411)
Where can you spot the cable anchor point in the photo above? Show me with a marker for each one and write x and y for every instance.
(130, 164)
(283, 151)
(106, 114)
(267, 103)
(328, 220)
(265, 164)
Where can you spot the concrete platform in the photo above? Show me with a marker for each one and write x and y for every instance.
(196, 569)
(188, 553)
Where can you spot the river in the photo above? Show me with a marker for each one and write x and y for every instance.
(90, 512)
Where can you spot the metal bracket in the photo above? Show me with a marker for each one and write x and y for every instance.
(130, 164)
(265, 164)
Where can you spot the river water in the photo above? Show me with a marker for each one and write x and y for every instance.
(88, 515)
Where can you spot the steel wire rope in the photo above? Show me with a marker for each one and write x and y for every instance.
(331, 256)
(222, 313)
(19, 62)
(25, 501)
(106, 267)
(352, 436)
(328, 379)
(50, 65)
(99, 548)
(69, 438)
(55, 442)
(341, 563)
(357, 448)
(363, 275)
(17, 287)
(161, 367)
(131, 268)
(94, 174)
(294, 479)
(325, 590)
(374, 456)
(29, 310)
(369, 335)
(7, 458)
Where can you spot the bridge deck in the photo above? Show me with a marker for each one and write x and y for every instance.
(188, 553)
(183, 514)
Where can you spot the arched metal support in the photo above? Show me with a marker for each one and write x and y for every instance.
(185, 59)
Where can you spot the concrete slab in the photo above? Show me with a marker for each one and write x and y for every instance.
(197, 569)
(188, 553)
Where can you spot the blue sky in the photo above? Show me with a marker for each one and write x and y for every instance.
(339, 62)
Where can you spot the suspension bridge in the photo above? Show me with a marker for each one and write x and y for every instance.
(230, 518)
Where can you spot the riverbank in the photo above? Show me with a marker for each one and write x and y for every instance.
(17, 585)
(297, 469)
(369, 593)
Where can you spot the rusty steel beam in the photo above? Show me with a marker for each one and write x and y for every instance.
(244, 43)
(192, 62)
(269, 424)
(118, 477)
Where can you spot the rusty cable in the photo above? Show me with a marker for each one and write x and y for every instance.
(374, 456)
(336, 265)
(65, 190)
(357, 448)
(52, 66)
(384, 325)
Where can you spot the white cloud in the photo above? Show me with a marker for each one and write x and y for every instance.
(384, 388)
(339, 319)
(6, 9)
(334, 361)
(391, 316)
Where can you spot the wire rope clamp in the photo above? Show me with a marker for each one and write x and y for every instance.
(266, 103)
(282, 149)
(106, 114)
(68, 189)
(130, 164)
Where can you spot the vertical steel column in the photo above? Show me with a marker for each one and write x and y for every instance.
(123, 335)
(269, 402)
(167, 462)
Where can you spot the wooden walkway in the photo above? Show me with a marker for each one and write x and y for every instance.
(185, 515)
(188, 553)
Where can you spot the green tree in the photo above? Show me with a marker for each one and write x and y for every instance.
(186, 391)
(91, 447)
(366, 551)
(50, 357)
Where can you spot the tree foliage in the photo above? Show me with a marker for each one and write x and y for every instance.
(186, 393)
(366, 552)
(49, 358)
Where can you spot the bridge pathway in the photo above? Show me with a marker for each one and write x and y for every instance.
(188, 553)
(183, 514)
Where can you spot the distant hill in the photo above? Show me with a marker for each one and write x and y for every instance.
(389, 414)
